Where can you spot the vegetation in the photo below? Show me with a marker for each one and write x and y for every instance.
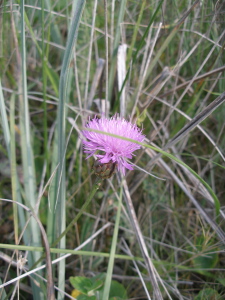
(157, 233)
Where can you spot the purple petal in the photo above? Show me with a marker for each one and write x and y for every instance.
(114, 149)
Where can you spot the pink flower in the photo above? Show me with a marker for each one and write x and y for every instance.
(112, 149)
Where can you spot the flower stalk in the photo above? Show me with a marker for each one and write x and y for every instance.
(113, 249)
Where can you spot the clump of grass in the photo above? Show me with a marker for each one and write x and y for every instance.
(59, 66)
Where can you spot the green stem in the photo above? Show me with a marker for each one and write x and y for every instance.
(112, 251)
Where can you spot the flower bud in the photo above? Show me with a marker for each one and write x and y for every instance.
(105, 170)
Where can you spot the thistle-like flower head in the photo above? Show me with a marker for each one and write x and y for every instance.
(111, 149)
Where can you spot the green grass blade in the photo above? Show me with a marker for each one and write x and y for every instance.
(55, 31)
(10, 145)
(136, 27)
(51, 75)
(4, 120)
(7, 137)
(61, 130)
(27, 151)
(115, 48)
(169, 39)
(13, 166)
(140, 45)
(44, 82)
(3, 295)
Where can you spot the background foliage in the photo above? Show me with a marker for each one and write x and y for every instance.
(59, 62)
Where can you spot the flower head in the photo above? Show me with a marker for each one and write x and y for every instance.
(112, 149)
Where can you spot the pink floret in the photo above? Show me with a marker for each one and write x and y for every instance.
(112, 149)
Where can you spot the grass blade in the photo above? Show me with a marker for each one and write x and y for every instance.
(115, 49)
(61, 130)
(26, 147)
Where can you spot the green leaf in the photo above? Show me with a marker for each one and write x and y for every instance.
(87, 226)
(221, 281)
(117, 291)
(207, 294)
(85, 297)
(82, 284)
(95, 286)
(140, 116)
(205, 260)
(85, 285)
